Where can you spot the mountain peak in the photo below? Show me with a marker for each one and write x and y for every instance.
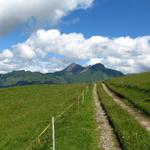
(73, 65)
(97, 67)
(74, 68)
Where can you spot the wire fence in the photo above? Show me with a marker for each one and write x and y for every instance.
(80, 99)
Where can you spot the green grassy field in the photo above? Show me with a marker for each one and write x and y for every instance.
(135, 88)
(131, 135)
(76, 129)
(26, 111)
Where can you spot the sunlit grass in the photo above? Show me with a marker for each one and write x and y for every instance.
(135, 88)
(132, 136)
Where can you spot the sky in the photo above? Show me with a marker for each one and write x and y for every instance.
(48, 35)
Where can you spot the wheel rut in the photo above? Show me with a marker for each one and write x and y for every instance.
(139, 116)
(107, 137)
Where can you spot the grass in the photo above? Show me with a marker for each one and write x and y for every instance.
(135, 88)
(26, 111)
(131, 135)
(75, 130)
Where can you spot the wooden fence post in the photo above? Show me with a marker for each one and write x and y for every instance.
(78, 104)
(53, 133)
(83, 97)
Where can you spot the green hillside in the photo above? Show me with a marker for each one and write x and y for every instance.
(26, 111)
(74, 73)
(136, 88)
(131, 134)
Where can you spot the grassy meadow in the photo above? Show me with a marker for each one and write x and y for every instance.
(135, 88)
(131, 135)
(75, 129)
(25, 111)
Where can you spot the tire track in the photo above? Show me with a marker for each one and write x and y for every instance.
(108, 139)
(139, 116)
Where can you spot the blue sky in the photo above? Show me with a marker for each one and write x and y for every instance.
(110, 18)
(113, 18)
(104, 26)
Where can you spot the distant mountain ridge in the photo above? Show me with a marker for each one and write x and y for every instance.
(74, 73)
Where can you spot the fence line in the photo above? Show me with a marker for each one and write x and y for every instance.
(43, 132)
(30, 144)
(61, 114)
(53, 133)
(45, 129)
(58, 116)
(83, 94)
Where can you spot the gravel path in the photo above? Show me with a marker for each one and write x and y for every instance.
(107, 138)
(139, 116)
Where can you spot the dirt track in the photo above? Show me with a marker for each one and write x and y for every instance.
(107, 138)
(139, 116)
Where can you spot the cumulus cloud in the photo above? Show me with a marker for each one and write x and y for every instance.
(16, 12)
(93, 61)
(5, 55)
(51, 50)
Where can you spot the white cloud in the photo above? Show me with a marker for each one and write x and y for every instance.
(24, 51)
(93, 61)
(16, 12)
(48, 51)
(6, 54)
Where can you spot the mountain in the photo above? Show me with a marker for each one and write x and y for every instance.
(73, 69)
(74, 73)
(79, 74)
